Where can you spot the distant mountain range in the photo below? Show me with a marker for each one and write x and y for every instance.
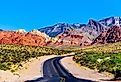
(79, 34)
(1, 30)
(112, 35)
(59, 28)
(103, 31)
(111, 21)
(98, 26)
(21, 38)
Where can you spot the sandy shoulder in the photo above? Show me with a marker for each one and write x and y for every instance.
(83, 72)
(30, 70)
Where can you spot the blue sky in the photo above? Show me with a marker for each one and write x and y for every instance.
(34, 14)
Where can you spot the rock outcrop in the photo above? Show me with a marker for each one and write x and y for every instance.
(11, 37)
(71, 37)
(112, 35)
(59, 28)
(63, 34)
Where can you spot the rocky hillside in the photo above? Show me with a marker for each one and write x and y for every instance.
(63, 34)
(59, 28)
(93, 29)
(93, 25)
(112, 35)
(36, 32)
(22, 38)
(76, 34)
(79, 34)
(72, 37)
(110, 21)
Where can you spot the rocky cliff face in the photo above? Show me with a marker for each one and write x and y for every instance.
(11, 37)
(36, 32)
(110, 21)
(59, 28)
(63, 34)
(80, 34)
(93, 29)
(71, 37)
(112, 35)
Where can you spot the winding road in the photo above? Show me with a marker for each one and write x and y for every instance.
(53, 71)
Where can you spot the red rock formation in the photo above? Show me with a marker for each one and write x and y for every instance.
(10, 37)
(112, 35)
(71, 37)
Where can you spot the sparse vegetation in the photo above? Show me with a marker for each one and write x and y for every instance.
(11, 56)
(103, 58)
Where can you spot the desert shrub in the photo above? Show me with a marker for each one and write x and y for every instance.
(11, 56)
(101, 62)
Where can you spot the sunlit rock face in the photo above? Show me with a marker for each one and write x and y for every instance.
(79, 34)
(71, 37)
(11, 37)
(59, 28)
(21, 31)
(64, 34)
(111, 21)
(112, 35)
(41, 34)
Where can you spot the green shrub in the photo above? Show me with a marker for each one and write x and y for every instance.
(11, 56)
(101, 62)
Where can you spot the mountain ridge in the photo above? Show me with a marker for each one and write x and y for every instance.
(59, 28)
(63, 34)
(112, 35)
(26, 38)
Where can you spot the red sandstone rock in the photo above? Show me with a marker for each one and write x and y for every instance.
(112, 35)
(71, 37)
(10, 37)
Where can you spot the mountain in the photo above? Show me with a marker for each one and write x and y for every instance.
(59, 28)
(22, 38)
(75, 37)
(93, 29)
(1, 30)
(112, 35)
(36, 32)
(64, 34)
(74, 34)
(92, 26)
(79, 34)
(71, 37)
(82, 36)
(96, 26)
(110, 21)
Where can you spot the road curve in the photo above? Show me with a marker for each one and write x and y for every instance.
(53, 71)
